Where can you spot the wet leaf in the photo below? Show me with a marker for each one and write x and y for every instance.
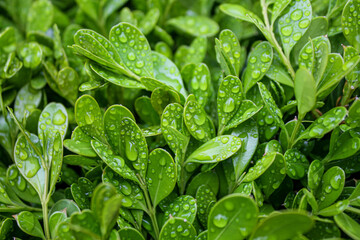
(246, 110)
(283, 225)
(216, 150)
(296, 164)
(184, 207)
(195, 25)
(259, 62)
(332, 184)
(40, 16)
(270, 104)
(205, 198)
(147, 24)
(145, 111)
(260, 167)
(177, 228)
(161, 175)
(195, 53)
(80, 143)
(354, 114)
(54, 220)
(315, 173)
(233, 216)
(130, 233)
(204, 178)
(31, 54)
(350, 26)
(334, 209)
(345, 147)
(26, 101)
(228, 100)
(28, 223)
(197, 122)
(293, 23)
(305, 91)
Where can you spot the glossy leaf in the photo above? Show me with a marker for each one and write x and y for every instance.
(259, 62)
(216, 150)
(28, 223)
(26, 101)
(315, 173)
(80, 143)
(161, 175)
(130, 233)
(246, 110)
(184, 207)
(293, 23)
(305, 91)
(348, 225)
(205, 197)
(195, 25)
(260, 167)
(350, 27)
(270, 104)
(296, 164)
(234, 216)
(170, 229)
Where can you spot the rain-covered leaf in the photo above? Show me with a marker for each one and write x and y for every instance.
(195, 25)
(348, 225)
(184, 207)
(28, 223)
(177, 228)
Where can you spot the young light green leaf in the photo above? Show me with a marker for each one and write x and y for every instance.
(233, 216)
(259, 62)
(246, 110)
(195, 25)
(315, 173)
(195, 53)
(278, 72)
(348, 225)
(216, 150)
(166, 72)
(205, 197)
(294, 23)
(324, 124)
(147, 24)
(29, 163)
(260, 167)
(26, 100)
(283, 225)
(28, 223)
(305, 91)
(40, 16)
(161, 175)
(242, 13)
(80, 143)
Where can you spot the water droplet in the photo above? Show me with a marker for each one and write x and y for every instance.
(296, 15)
(287, 30)
(336, 181)
(229, 105)
(220, 221)
(23, 155)
(304, 23)
(123, 37)
(131, 56)
(32, 166)
(59, 118)
(229, 205)
(130, 149)
(89, 118)
(255, 74)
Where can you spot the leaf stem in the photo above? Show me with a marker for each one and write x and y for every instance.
(44, 204)
(151, 210)
(295, 131)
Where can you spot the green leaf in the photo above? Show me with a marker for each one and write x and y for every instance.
(84, 225)
(20, 186)
(352, 77)
(68, 82)
(296, 164)
(29, 162)
(348, 225)
(195, 53)
(145, 111)
(229, 98)
(259, 62)
(230, 49)
(78, 160)
(64, 204)
(26, 101)
(279, 73)
(345, 147)
(278, 8)
(133, 146)
(166, 72)
(173, 127)
(195, 25)
(234, 216)
(116, 163)
(305, 91)
(324, 123)
(148, 23)
(161, 175)
(323, 230)
(80, 143)
(170, 229)
(130, 233)
(332, 184)
(246, 110)
(89, 117)
(205, 198)
(283, 225)
(204, 178)
(81, 192)
(90, 7)
(248, 133)
(6, 227)
(54, 220)
(133, 48)
(40, 16)
(197, 122)
(163, 96)
(334, 209)
(293, 23)
(216, 150)
(198, 80)
(272, 178)
(241, 13)
(354, 114)
(28, 223)
(132, 196)
(350, 27)
(315, 173)
(31, 54)
(270, 104)
(260, 167)
(184, 207)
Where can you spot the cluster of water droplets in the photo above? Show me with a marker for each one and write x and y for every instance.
(197, 121)
(204, 197)
(177, 228)
(26, 158)
(351, 19)
(296, 164)
(184, 207)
